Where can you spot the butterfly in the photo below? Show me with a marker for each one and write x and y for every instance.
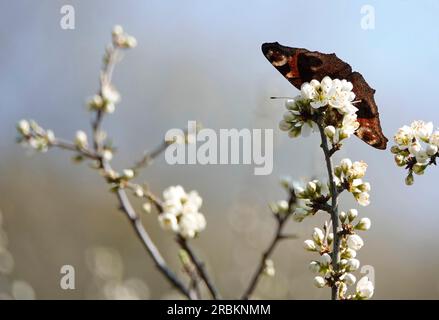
(300, 65)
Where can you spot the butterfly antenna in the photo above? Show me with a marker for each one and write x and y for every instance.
(281, 98)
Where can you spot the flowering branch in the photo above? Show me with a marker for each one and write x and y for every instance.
(416, 148)
(333, 211)
(328, 105)
(179, 208)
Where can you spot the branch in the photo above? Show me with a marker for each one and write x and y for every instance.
(278, 236)
(200, 266)
(125, 204)
(148, 157)
(334, 205)
(134, 218)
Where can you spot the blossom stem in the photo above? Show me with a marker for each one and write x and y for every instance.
(334, 206)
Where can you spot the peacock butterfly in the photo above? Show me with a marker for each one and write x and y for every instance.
(300, 65)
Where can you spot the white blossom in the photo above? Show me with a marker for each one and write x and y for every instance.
(314, 266)
(185, 208)
(355, 242)
(325, 259)
(168, 221)
(348, 278)
(309, 245)
(319, 282)
(81, 139)
(364, 224)
(365, 288)
(416, 147)
(318, 235)
(352, 264)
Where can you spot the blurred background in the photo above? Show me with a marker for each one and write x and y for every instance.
(199, 60)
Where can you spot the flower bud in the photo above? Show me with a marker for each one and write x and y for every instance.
(419, 168)
(138, 191)
(431, 149)
(311, 187)
(364, 224)
(146, 207)
(318, 236)
(96, 102)
(345, 164)
(330, 131)
(50, 136)
(309, 245)
(400, 160)
(348, 278)
(409, 179)
(269, 269)
(117, 30)
(128, 173)
(350, 253)
(342, 216)
(130, 42)
(23, 127)
(330, 238)
(352, 214)
(395, 149)
(355, 242)
(290, 104)
(285, 182)
(365, 288)
(107, 155)
(352, 264)
(314, 267)
(319, 282)
(81, 139)
(282, 206)
(325, 259)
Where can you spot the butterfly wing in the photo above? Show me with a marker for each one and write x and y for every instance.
(299, 65)
(370, 127)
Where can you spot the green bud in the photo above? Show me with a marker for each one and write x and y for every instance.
(409, 179)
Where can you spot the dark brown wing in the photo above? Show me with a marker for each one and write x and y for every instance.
(370, 127)
(300, 65)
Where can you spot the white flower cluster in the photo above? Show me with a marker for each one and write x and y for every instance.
(331, 98)
(34, 136)
(310, 199)
(121, 39)
(106, 100)
(416, 147)
(348, 175)
(180, 212)
(350, 243)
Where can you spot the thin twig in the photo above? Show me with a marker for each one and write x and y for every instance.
(278, 236)
(149, 156)
(200, 266)
(334, 205)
